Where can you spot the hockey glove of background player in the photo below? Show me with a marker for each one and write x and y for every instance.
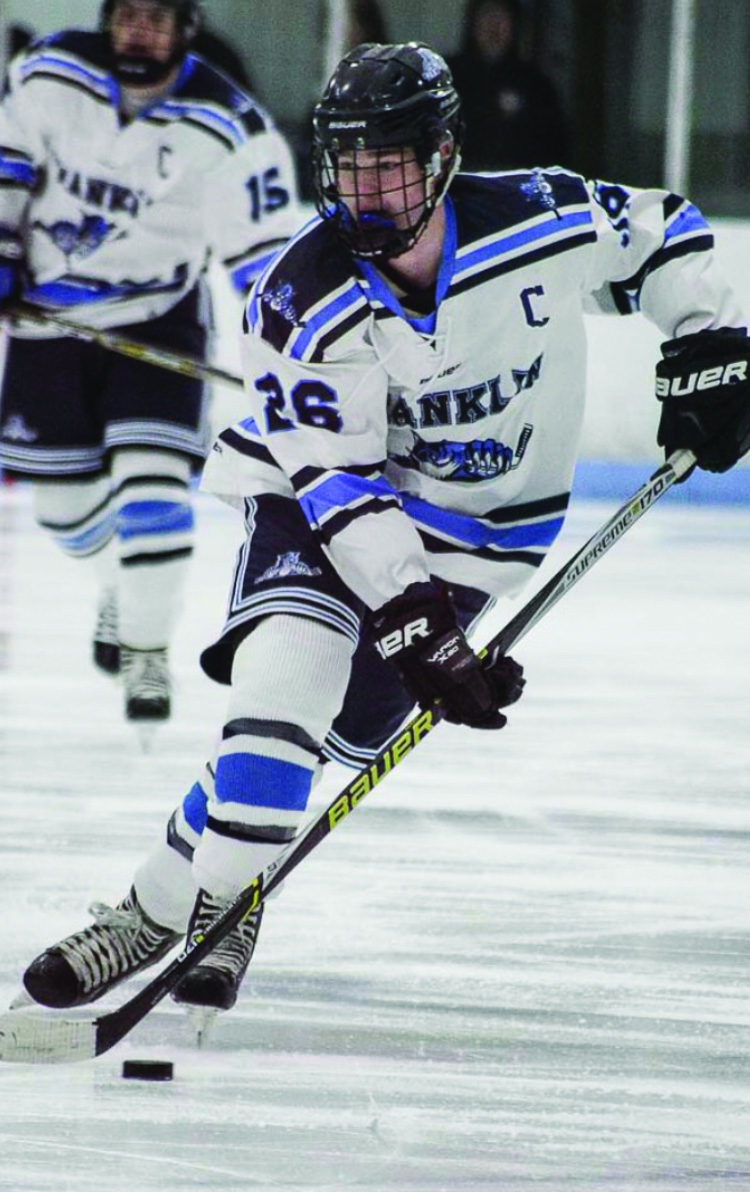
(704, 388)
(418, 632)
(10, 281)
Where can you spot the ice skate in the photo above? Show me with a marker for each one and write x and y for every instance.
(106, 642)
(213, 984)
(146, 680)
(122, 941)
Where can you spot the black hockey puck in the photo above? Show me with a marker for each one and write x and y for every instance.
(147, 1070)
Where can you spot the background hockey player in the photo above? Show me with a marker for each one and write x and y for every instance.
(126, 164)
(415, 364)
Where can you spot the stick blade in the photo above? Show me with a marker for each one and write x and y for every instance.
(43, 1039)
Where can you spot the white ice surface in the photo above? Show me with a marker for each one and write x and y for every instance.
(523, 963)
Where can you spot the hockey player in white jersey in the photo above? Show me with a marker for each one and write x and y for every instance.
(126, 165)
(415, 367)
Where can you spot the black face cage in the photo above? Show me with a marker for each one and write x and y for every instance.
(375, 232)
(188, 15)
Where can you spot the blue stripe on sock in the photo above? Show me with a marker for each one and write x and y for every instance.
(154, 517)
(262, 782)
(195, 808)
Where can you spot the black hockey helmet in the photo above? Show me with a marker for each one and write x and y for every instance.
(397, 97)
(145, 71)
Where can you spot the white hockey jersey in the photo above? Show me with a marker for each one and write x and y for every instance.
(118, 219)
(446, 445)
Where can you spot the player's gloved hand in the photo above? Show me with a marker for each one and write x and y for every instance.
(704, 388)
(417, 631)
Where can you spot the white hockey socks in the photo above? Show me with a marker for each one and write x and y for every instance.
(137, 526)
(164, 881)
(288, 684)
(76, 513)
(155, 532)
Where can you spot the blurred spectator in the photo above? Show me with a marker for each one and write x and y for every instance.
(514, 118)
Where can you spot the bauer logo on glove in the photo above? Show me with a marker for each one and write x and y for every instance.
(702, 383)
(402, 638)
(418, 633)
(710, 378)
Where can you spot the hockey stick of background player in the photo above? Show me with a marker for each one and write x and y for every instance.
(188, 366)
(36, 1038)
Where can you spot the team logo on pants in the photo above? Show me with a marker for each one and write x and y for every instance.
(286, 565)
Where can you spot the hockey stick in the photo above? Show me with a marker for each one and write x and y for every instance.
(188, 366)
(36, 1038)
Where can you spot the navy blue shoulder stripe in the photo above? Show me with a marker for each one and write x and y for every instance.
(357, 316)
(437, 546)
(529, 509)
(312, 267)
(498, 202)
(627, 294)
(202, 82)
(339, 521)
(308, 475)
(91, 47)
(74, 84)
(522, 260)
(247, 446)
(203, 127)
(671, 204)
(258, 249)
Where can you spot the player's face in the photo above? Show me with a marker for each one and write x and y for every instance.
(144, 28)
(389, 183)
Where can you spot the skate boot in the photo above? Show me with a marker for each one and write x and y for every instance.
(85, 966)
(145, 675)
(214, 983)
(106, 643)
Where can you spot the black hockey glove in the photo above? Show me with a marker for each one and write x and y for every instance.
(417, 631)
(704, 386)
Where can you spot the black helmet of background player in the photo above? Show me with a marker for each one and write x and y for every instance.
(142, 69)
(385, 97)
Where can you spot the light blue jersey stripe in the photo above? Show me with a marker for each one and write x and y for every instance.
(340, 490)
(507, 244)
(21, 172)
(688, 219)
(250, 425)
(477, 534)
(210, 117)
(244, 276)
(329, 314)
(63, 66)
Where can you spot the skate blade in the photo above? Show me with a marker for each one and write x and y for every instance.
(145, 732)
(22, 1000)
(201, 1019)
